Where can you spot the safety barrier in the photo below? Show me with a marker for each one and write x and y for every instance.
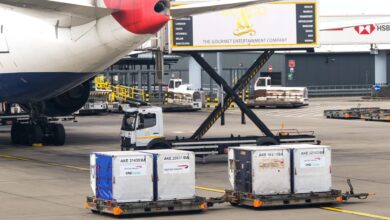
(119, 92)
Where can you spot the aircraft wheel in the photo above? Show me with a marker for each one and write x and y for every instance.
(58, 134)
(16, 133)
(34, 134)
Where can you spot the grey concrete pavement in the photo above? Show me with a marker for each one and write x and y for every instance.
(54, 181)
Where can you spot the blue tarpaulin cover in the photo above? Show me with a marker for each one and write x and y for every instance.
(103, 177)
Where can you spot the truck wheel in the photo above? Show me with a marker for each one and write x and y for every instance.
(266, 141)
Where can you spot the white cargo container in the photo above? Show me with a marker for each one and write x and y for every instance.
(123, 176)
(175, 174)
(260, 170)
(312, 168)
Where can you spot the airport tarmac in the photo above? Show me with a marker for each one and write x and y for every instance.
(52, 182)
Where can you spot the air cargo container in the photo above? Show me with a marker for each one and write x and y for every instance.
(175, 174)
(283, 175)
(122, 176)
(312, 168)
(134, 182)
(260, 170)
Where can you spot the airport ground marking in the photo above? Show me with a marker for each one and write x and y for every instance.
(12, 157)
(355, 213)
(210, 189)
(4, 156)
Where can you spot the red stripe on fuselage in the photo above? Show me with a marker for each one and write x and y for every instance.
(138, 16)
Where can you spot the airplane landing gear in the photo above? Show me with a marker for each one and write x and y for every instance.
(31, 133)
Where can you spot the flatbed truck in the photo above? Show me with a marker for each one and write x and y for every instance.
(142, 128)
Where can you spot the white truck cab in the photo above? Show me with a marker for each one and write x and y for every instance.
(174, 84)
(141, 127)
(262, 82)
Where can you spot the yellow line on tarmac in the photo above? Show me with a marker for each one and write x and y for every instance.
(4, 156)
(68, 166)
(356, 213)
(13, 157)
(210, 189)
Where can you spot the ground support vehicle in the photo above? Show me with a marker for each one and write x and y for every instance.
(378, 115)
(117, 107)
(181, 97)
(142, 127)
(266, 95)
(320, 198)
(96, 205)
(177, 108)
(97, 102)
(353, 113)
(293, 199)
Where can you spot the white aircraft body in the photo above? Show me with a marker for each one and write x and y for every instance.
(49, 49)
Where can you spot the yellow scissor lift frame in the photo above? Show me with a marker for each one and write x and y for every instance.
(120, 93)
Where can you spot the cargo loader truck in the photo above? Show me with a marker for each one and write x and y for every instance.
(142, 128)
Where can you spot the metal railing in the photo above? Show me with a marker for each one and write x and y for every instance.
(339, 90)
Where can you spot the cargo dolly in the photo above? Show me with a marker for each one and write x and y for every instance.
(96, 205)
(264, 201)
(353, 113)
(199, 204)
(378, 115)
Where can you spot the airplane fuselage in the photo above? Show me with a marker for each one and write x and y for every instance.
(41, 56)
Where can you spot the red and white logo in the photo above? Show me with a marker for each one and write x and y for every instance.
(365, 29)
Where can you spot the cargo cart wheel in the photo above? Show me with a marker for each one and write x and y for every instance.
(266, 141)
(95, 212)
(234, 204)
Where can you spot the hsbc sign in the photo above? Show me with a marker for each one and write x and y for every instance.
(365, 29)
(369, 29)
(364, 34)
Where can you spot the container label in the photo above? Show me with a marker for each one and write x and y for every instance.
(133, 166)
(312, 162)
(272, 163)
(176, 157)
(176, 168)
(269, 154)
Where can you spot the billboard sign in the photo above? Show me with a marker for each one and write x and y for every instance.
(363, 34)
(274, 25)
